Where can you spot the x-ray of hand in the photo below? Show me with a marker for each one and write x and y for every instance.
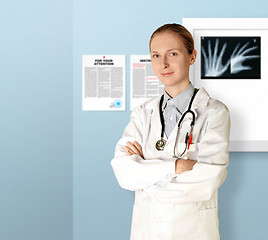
(238, 58)
(213, 65)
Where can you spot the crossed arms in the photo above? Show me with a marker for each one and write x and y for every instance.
(179, 181)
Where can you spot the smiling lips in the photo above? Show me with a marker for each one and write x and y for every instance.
(166, 74)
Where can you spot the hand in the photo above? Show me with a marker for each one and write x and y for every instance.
(238, 58)
(132, 149)
(182, 165)
(213, 65)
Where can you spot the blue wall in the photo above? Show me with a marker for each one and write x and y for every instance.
(102, 210)
(36, 120)
(56, 181)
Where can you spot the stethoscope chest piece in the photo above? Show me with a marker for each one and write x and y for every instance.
(160, 144)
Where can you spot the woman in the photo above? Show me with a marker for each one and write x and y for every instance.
(175, 173)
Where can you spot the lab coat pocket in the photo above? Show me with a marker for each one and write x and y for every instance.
(208, 213)
(209, 224)
(193, 151)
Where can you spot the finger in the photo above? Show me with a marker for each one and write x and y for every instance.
(249, 49)
(242, 48)
(132, 147)
(251, 57)
(139, 149)
(222, 50)
(215, 51)
(206, 58)
(209, 54)
(137, 145)
(246, 68)
(234, 52)
(128, 151)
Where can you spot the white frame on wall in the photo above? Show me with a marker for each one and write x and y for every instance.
(245, 98)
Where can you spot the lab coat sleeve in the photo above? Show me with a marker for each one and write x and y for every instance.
(133, 172)
(200, 183)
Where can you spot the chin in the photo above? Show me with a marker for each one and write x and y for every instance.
(170, 82)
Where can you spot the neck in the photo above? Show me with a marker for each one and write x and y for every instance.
(174, 91)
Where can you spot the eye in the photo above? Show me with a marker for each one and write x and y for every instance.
(155, 55)
(173, 54)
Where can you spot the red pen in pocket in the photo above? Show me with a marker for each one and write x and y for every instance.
(190, 140)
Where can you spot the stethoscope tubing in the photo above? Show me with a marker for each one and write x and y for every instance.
(160, 144)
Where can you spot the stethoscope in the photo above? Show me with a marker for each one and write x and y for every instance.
(160, 144)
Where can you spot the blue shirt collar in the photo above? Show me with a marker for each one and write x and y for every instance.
(182, 100)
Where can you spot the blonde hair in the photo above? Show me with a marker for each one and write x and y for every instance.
(180, 31)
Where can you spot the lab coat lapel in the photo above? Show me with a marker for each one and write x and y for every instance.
(156, 127)
(200, 100)
(198, 107)
(152, 109)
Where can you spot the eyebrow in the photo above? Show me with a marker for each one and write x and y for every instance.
(168, 50)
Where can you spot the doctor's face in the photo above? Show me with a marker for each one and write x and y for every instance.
(171, 60)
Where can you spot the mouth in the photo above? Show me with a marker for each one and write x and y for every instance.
(166, 74)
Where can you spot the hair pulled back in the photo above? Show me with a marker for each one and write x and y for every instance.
(179, 30)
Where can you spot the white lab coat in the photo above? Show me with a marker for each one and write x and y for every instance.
(167, 205)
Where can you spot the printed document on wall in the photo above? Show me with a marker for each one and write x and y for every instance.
(144, 83)
(103, 83)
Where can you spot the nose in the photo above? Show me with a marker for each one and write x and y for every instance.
(164, 62)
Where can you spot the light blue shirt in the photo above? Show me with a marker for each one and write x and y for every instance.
(174, 107)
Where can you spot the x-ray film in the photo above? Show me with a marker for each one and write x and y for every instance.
(230, 57)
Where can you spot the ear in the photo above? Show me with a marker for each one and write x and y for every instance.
(193, 57)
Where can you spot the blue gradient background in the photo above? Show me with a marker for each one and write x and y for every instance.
(56, 181)
(36, 125)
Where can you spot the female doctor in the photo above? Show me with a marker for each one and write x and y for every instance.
(174, 151)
